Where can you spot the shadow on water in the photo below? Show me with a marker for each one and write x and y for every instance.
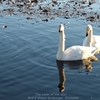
(73, 65)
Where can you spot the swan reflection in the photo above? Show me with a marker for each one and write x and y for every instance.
(79, 64)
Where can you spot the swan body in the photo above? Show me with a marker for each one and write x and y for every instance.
(73, 52)
(91, 40)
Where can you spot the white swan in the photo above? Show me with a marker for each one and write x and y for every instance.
(73, 52)
(91, 40)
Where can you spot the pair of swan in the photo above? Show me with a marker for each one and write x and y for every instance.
(90, 46)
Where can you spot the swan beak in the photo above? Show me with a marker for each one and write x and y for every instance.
(86, 34)
(59, 30)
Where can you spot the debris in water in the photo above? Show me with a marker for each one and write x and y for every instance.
(4, 26)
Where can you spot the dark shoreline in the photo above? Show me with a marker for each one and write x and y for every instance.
(45, 10)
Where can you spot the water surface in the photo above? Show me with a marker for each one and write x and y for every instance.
(28, 68)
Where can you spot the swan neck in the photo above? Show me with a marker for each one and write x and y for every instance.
(91, 32)
(90, 38)
(62, 41)
(61, 46)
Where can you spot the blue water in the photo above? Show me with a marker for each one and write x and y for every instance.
(28, 69)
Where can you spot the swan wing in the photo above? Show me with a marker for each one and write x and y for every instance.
(78, 53)
(96, 41)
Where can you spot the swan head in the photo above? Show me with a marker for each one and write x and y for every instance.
(61, 28)
(88, 30)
